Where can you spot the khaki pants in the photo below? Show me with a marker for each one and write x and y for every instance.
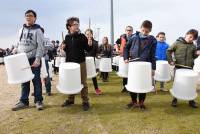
(84, 91)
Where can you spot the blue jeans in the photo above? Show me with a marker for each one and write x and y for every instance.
(36, 84)
(47, 80)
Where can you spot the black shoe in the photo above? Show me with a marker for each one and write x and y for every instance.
(174, 103)
(20, 106)
(67, 103)
(124, 90)
(48, 93)
(86, 106)
(193, 104)
(132, 105)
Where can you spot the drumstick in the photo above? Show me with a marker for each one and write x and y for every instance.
(26, 68)
(183, 66)
(134, 59)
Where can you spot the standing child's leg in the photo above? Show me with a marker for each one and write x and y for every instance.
(142, 97)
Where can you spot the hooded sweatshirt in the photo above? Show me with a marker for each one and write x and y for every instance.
(31, 41)
(184, 53)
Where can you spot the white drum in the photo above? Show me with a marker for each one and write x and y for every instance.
(18, 69)
(69, 78)
(97, 63)
(185, 84)
(1, 60)
(90, 66)
(105, 65)
(162, 72)
(50, 69)
(116, 61)
(123, 68)
(43, 73)
(139, 77)
(57, 61)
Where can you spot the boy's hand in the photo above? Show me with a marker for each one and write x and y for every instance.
(172, 63)
(198, 52)
(36, 63)
(126, 61)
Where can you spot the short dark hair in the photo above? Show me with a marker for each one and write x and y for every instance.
(89, 30)
(129, 27)
(57, 41)
(70, 21)
(147, 24)
(160, 33)
(31, 11)
(193, 32)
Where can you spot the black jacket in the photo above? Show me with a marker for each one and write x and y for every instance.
(93, 49)
(75, 47)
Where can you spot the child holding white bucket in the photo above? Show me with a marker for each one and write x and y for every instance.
(105, 51)
(184, 52)
(32, 43)
(76, 44)
(93, 53)
(122, 41)
(141, 46)
(161, 50)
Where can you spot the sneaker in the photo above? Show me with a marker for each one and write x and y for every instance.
(174, 103)
(39, 105)
(67, 103)
(98, 92)
(20, 106)
(86, 106)
(192, 104)
(132, 105)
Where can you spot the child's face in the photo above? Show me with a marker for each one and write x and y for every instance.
(30, 19)
(145, 31)
(75, 27)
(189, 38)
(161, 38)
(88, 34)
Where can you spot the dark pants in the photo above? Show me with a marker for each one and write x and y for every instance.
(105, 75)
(84, 91)
(48, 79)
(94, 80)
(142, 97)
(36, 84)
(125, 80)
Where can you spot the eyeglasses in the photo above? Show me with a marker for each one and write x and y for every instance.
(29, 15)
(75, 24)
(129, 30)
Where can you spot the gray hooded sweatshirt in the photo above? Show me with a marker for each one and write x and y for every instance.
(31, 42)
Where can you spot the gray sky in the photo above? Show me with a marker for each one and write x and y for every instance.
(174, 17)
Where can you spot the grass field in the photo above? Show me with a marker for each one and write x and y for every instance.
(107, 115)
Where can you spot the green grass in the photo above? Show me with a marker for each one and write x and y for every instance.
(107, 115)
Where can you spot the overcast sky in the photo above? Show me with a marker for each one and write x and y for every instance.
(174, 17)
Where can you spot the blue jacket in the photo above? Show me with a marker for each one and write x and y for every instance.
(161, 50)
(141, 47)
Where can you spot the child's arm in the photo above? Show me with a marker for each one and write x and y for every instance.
(170, 50)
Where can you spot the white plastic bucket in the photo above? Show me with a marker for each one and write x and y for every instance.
(43, 72)
(105, 65)
(162, 72)
(69, 78)
(185, 84)
(57, 61)
(18, 69)
(62, 59)
(116, 61)
(50, 69)
(97, 63)
(123, 68)
(1, 60)
(90, 66)
(139, 77)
